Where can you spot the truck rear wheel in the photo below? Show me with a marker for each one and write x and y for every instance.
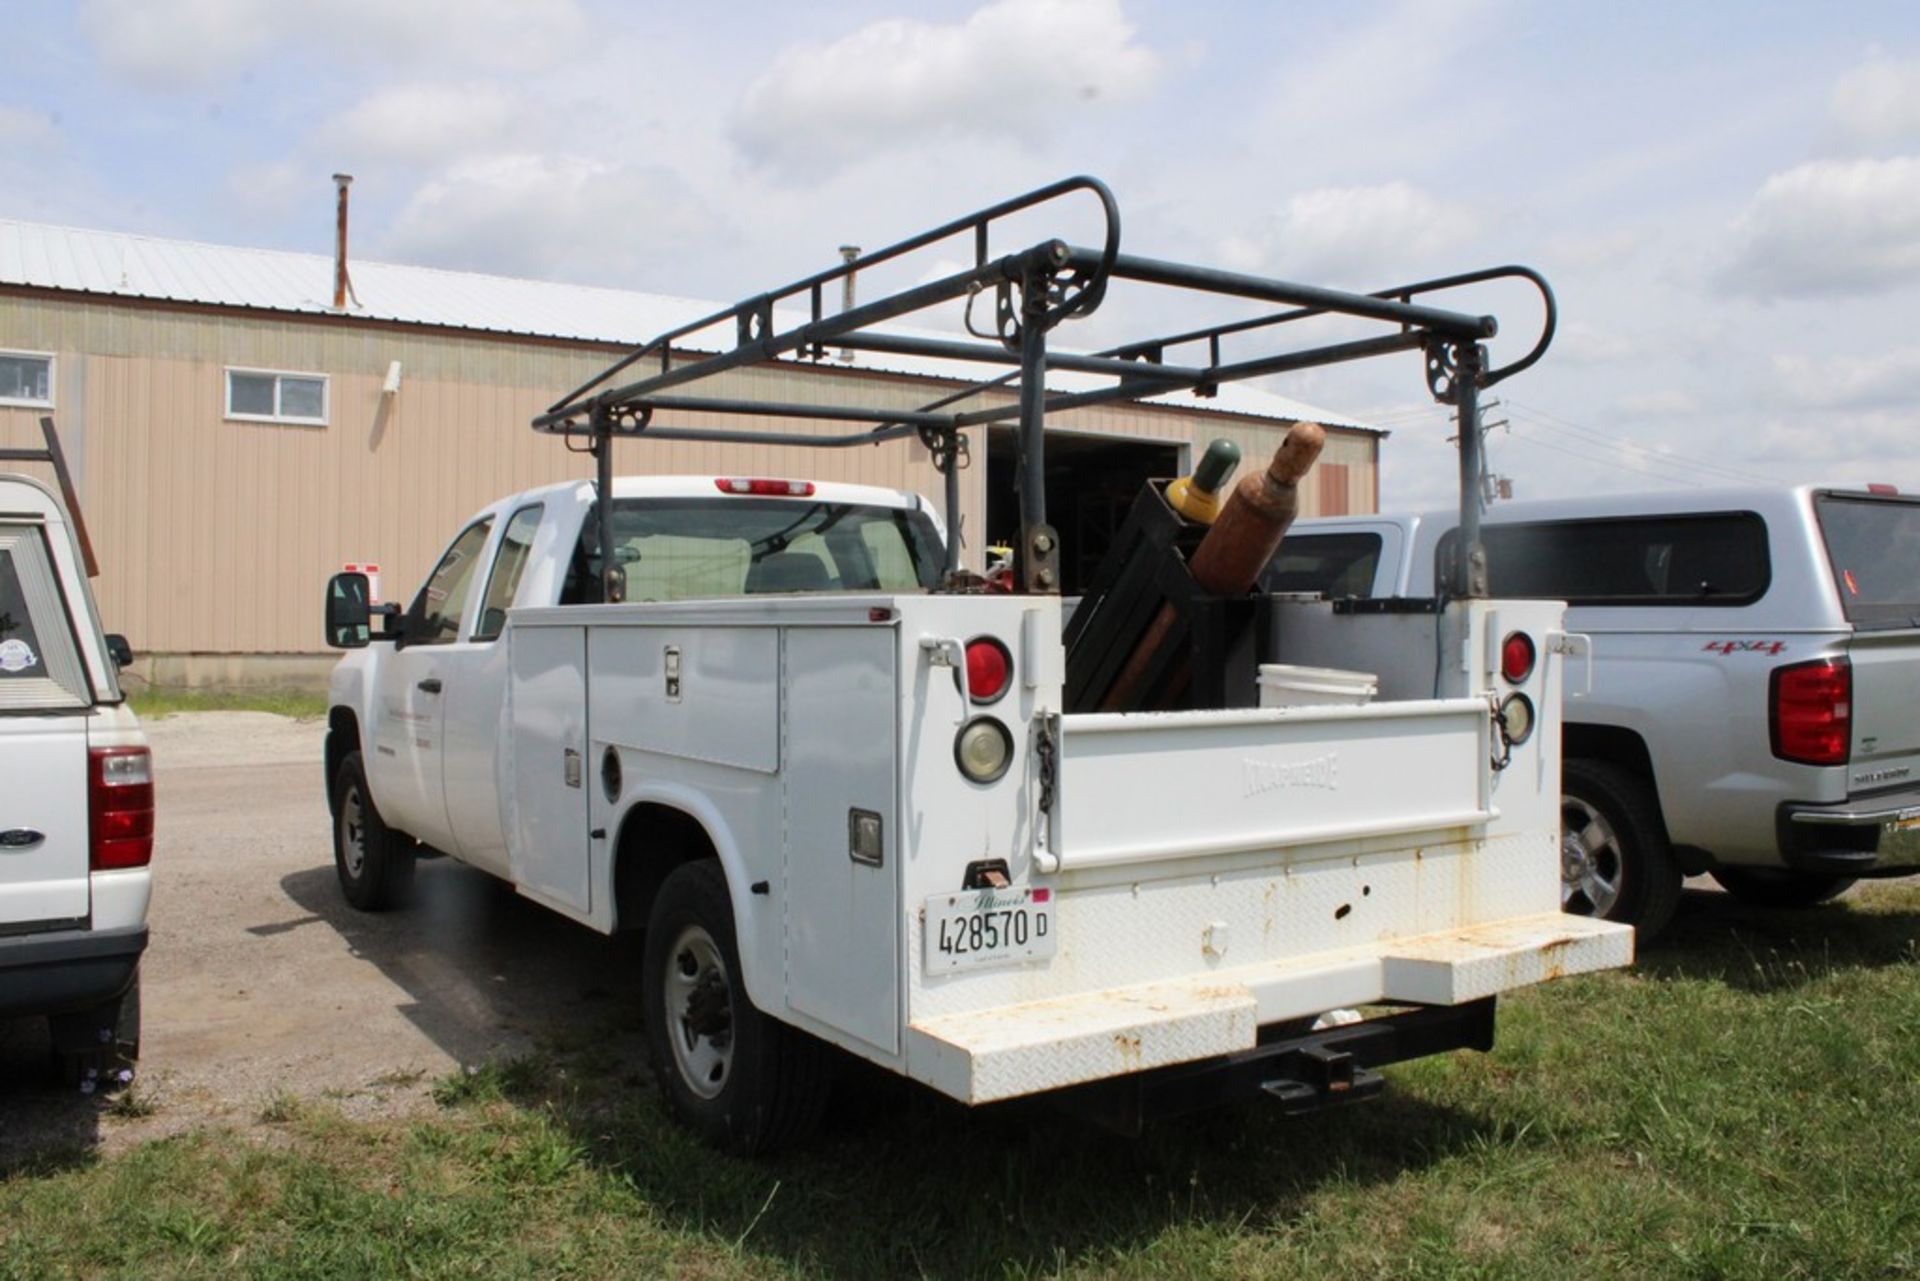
(1615, 861)
(1766, 887)
(742, 1080)
(375, 862)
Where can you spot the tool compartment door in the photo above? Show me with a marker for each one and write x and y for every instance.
(842, 913)
(1138, 788)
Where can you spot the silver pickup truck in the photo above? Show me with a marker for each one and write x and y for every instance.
(1754, 709)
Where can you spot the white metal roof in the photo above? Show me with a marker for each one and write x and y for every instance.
(126, 265)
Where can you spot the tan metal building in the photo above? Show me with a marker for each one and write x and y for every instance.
(235, 438)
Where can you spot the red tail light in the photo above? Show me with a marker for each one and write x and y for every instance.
(1810, 712)
(989, 668)
(1516, 657)
(764, 487)
(120, 804)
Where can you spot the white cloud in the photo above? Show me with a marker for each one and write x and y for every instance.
(176, 43)
(418, 124)
(1360, 95)
(23, 128)
(1657, 403)
(1879, 100)
(173, 44)
(1873, 445)
(552, 217)
(1888, 378)
(901, 81)
(1579, 342)
(1830, 227)
(1358, 236)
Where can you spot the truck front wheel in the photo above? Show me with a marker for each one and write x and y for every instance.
(375, 862)
(742, 1080)
(1614, 858)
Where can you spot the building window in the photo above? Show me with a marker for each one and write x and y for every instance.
(26, 378)
(264, 396)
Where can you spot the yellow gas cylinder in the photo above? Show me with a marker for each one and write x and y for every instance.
(1197, 497)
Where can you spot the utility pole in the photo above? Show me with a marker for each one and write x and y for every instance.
(1492, 487)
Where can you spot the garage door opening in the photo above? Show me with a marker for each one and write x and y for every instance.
(1091, 483)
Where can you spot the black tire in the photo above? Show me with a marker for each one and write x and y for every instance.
(1766, 887)
(1615, 861)
(99, 1043)
(375, 863)
(741, 1080)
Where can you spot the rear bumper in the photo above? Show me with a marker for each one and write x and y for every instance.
(1878, 836)
(67, 970)
(1003, 1052)
(1299, 1073)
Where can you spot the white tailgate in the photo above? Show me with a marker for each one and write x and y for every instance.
(1140, 787)
(43, 818)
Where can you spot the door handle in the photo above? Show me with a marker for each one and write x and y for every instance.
(431, 685)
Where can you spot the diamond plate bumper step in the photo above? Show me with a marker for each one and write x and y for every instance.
(1003, 1052)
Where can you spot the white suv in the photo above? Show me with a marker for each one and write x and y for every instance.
(1755, 701)
(76, 797)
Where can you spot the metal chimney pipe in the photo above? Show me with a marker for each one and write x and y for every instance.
(848, 253)
(342, 286)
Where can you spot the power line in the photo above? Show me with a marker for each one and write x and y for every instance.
(1555, 422)
(1610, 462)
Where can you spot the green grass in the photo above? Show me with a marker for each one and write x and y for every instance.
(150, 701)
(1743, 1104)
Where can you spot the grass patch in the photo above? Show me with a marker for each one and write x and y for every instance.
(150, 702)
(1738, 1106)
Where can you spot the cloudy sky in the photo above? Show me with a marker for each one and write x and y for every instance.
(1725, 196)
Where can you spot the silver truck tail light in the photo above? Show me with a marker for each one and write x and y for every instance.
(983, 749)
(989, 669)
(1517, 656)
(120, 807)
(1810, 712)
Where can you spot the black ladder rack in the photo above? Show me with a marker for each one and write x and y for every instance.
(1034, 290)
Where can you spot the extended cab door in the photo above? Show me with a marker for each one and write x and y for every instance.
(473, 675)
(44, 704)
(407, 781)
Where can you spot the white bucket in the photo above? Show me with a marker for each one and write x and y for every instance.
(1283, 685)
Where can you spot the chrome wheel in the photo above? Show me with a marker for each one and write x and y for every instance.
(353, 833)
(699, 1007)
(1590, 860)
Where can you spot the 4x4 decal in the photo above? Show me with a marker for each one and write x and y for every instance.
(1724, 647)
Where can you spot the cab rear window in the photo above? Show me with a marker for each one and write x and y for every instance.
(699, 548)
(1713, 558)
(1874, 547)
(1331, 564)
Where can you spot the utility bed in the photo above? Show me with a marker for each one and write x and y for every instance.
(859, 796)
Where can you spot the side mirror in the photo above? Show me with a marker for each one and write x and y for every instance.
(349, 614)
(119, 651)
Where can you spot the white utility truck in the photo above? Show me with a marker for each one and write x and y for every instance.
(857, 799)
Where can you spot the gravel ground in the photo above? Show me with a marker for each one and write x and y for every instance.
(260, 983)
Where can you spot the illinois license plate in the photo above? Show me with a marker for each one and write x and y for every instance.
(973, 928)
